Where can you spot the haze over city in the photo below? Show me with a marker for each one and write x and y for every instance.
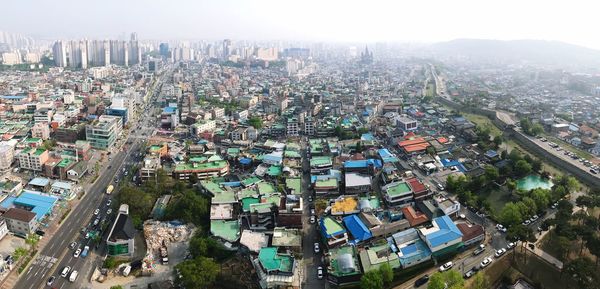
(299, 144)
(356, 21)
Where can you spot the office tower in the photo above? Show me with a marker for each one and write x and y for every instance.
(227, 47)
(59, 54)
(164, 50)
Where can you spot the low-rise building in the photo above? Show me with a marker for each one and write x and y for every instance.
(120, 241)
(33, 159)
(103, 133)
(20, 222)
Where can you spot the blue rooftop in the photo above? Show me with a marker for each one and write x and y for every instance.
(13, 97)
(41, 205)
(448, 232)
(169, 109)
(367, 137)
(39, 182)
(357, 228)
(387, 156)
(362, 164)
(491, 154)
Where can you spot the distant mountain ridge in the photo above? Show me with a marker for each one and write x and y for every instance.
(538, 51)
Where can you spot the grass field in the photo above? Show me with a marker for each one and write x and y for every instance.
(482, 121)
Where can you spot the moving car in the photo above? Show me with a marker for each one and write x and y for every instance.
(479, 250)
(320, 272)
(421, 281)
(73, 276)
(65, 271)
(316, 248)
(50, 280)
(446, 266)
(77, 253)
(487, 261)
(73, 245)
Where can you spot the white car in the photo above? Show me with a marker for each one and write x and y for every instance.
(109, 211)
(65, 272)
(446, 266)
(501, 228)
(320, 272)
(500, 252)
(534, 218)
(487, 261)
(96, 212)
(313, 219)
(77, 253)
(316, 248)
(510, 245)
(526, 222)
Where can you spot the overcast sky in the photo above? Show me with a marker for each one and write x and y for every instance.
(574, 21)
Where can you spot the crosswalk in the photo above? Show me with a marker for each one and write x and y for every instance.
(45, 261)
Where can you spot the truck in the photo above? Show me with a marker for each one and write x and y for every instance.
(109, 189)
(164, 254)
(85, 252)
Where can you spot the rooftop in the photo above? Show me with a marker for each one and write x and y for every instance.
(344, 205)
(330, 227)
(283, 237)
(344, 261)
(271, 260)
(226, 230)
(398, 189)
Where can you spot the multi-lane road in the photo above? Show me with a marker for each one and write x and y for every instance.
(51, 260)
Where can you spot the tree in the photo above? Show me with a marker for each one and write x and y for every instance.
(563, 244)
(198, 273)
(110, 262)
(32, 240)
(449, 279)
(511, 185)
(371, 280)
(498, 140)
(582, 271)
(491, 172)
(522, 168)
(536, 165)
(386, 273)
(541, 198)
(189, 207)
(537, 129)
(320, 205)
(510, 214)
(255, 122)
(49, 144)
(480, 281)
(19, 252)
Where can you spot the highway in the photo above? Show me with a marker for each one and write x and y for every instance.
(56, 254)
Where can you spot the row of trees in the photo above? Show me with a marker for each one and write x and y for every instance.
(452, 279)
(529, 128)
(377, 279)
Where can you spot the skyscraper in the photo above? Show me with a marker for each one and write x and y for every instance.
(164, 50)
(226, 48)
(135, 54)
(59, 53)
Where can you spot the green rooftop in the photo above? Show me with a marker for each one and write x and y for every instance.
(274, 171)
(35, 151)
(273, 261)
(248, 202)
(291, 154)
(247, 193)
(250, 181)
(398, 189)
(294, 184)
(261, 207)
(65, 163)
(227, 230)
(33, 140)
(331, 182)
(154, 148)
(332, 226)
(211, 187)
(376, 256)
(213, 165)
(265, 188)
(320, 161)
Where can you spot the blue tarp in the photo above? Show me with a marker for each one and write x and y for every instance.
(357, 228)
(451, 163)
(231, 184)
(491, 154)
(245, 161)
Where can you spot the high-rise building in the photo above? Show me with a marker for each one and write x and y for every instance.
(135, 53)
(227, 47)
(77, 54)
(119, 52)
(164, 50)
(59, 53)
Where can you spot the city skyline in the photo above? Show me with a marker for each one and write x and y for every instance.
(332, 21)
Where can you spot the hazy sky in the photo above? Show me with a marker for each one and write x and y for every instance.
(573, 21)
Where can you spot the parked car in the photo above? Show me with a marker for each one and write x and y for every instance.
(487, 261)
(316, 248)
(469, 274)
(96, 212)
(526, 222)
(421, 281)
(510, 245)
(320, 272)
(313, 219)
(310, 199)
(446, 266)
(500, 252)
(73, 245)
(501, 228)
(534, 218)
